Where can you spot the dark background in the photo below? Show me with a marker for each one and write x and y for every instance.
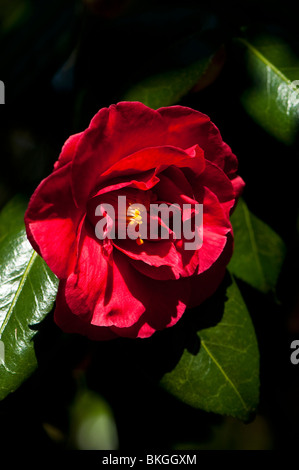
(61, 61)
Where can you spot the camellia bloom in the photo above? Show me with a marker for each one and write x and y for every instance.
(133, 286)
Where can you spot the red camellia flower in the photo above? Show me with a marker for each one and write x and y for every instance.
(133, 285)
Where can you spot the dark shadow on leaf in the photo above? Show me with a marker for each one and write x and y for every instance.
(127, 374)
(155, 356)
(162, 352)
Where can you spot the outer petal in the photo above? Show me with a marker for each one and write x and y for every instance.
(218, 182)
(71, 323)
(163, 308)
(238, 185)
(187, 127)
(205, 284)
(114, 133)
(52, 220)
(216, 226)
(68, 150)
(168, 312)
(127, 127)
(101, 289)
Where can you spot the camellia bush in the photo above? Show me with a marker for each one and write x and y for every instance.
(147, 225)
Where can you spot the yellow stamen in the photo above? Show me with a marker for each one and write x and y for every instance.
(134, 217)
(139, 241)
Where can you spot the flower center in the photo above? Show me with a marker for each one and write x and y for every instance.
(134, 217)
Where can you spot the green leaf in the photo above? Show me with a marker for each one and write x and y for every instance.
(92, 423)
(27, 292)
(12, 216)
(272, 96)
(169, 87)
(259, 252)
(223, 377)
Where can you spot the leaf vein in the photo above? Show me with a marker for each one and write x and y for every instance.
(254, 51)
(225, 375)
(226, 346)
(18, 291)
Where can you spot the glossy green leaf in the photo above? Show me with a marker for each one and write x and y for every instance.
(259, 251)
(169, 87)
(12, 216)
(223, 377)
(27, 293)
(271, 97)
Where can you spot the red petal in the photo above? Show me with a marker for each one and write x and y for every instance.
(157, 158)
(238, 185)
(117, 132)
(160, 253)
(168, 191)
(216, 226)
(52, 220)
(113, 134)
(70, 323)
(165, 301)
(68, 150)
(159, 273)
(205, 284)
(117, 296)
(128, 127)
(218, 182)
(177, 176)
(102, 289)
(187, 127)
